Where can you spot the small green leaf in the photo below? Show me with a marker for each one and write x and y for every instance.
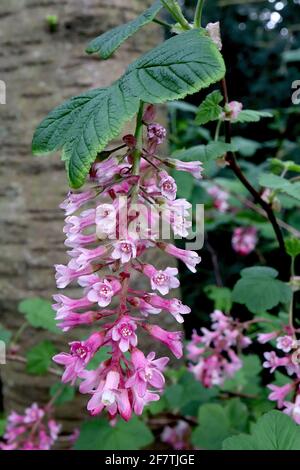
(2, 426)
(292, 246)
(273, 431)
(39, 313)
(106, 44)
(259, 289)
(63, 393)
(210, 109)
(99, 435)
(39, 358)
(221, 296)
(205, 153)
(249, 115)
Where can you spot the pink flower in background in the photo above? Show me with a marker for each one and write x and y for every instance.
(220, 198)
(266, 337)
(31, 431)
(272, 361)
(214, 352)
(286, 343)
(156, 133)
(177, 436)
(244, 240)
(194, 168)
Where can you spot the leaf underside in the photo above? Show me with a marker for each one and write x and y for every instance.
(85, 124)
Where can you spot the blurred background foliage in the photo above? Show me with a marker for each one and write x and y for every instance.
(261, 48)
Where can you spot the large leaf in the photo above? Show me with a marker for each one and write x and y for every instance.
(259, 289)
(39, 313)
(274, 431)
(210, 109)
(217, 422)
(84, 125)
(98, 434)
(106, 44)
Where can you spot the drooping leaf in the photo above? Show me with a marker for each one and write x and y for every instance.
(39, 313)
(39, 358)
(249, 115)
(210, 109)
(99, 435)
(106, 44)
(84, 125)
(259, 289)
(273, 431)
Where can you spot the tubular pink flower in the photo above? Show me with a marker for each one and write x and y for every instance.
(244, 240)
(171, 339)
(189, 258)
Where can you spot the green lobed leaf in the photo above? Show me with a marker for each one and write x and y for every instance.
(210, 109)
(221, 296)
(249, 115)
(217, 422)
(84, 125)
(39, 313)
(39, 358)
(106, 44)
(273, 431)
(259, 289)
(99, 435)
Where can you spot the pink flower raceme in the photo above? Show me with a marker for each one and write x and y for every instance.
(290, 363)
(244, 240)
(32, 431)
(109, 229)
(214, 352)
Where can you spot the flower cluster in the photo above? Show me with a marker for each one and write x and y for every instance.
(244, 240)
(289, 360)
(214, 352)
(31, 431)
(121, 217)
